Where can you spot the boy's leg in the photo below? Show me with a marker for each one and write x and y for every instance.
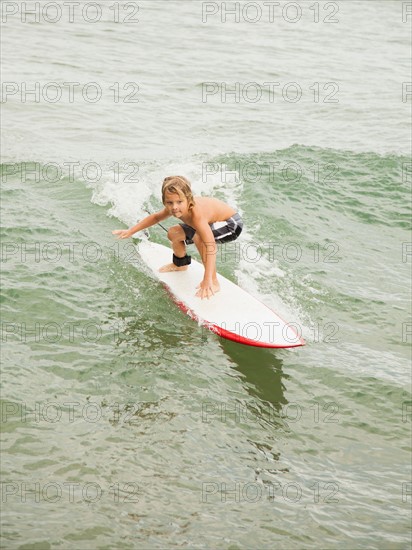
(177, 237)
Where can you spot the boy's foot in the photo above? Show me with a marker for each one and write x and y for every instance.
(172, 267)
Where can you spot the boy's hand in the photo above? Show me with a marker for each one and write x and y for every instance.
(206, 289)
(122, 233)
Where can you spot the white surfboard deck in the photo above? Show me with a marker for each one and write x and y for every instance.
(232, 312)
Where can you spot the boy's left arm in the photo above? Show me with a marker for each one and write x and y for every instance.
(208, 240)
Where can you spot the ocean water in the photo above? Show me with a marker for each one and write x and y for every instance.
(124, 423)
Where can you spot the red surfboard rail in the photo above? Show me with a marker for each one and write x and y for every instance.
(224, 333)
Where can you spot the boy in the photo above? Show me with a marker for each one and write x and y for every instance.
(202, 225)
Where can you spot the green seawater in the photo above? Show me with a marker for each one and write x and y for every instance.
(124, 421)
(125, 425)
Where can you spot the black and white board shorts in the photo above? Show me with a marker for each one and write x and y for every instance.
(224, 232)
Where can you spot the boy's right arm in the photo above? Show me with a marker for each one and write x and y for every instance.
(143, 224)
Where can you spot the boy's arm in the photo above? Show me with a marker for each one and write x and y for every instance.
(208, 239)
(143, 224)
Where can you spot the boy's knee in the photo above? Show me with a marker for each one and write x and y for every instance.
(176, 233)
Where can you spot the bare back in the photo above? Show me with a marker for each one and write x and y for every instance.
(211, 209)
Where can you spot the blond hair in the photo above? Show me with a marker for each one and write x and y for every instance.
(179, 185)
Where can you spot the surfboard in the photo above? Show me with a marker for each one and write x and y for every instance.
(231, 313)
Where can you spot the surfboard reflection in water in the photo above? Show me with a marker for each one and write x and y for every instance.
(261, 372)
(262, 379)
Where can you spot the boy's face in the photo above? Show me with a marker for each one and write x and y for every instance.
(176, 204)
